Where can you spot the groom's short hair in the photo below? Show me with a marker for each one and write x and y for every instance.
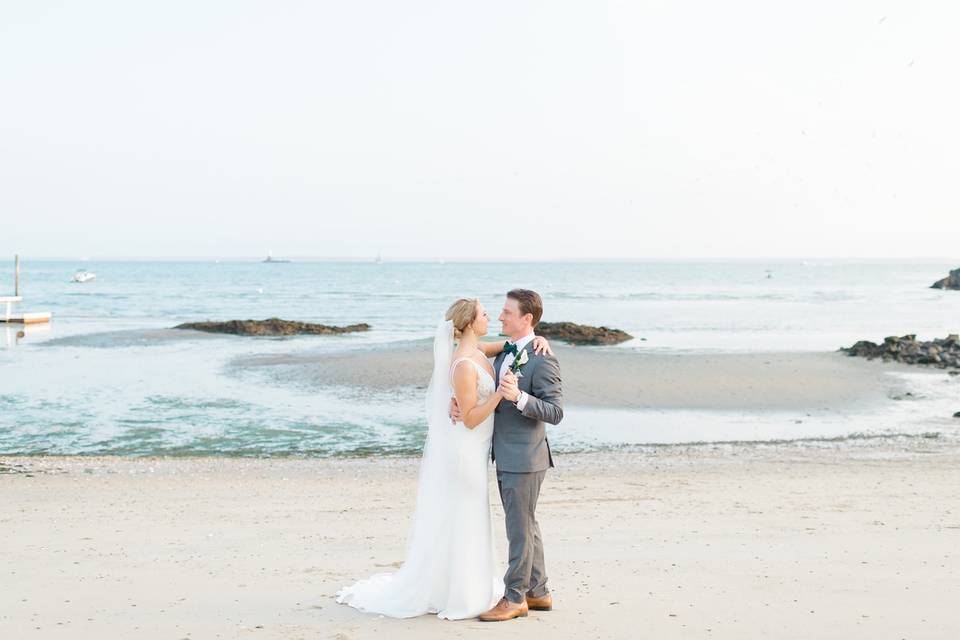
(529, 302)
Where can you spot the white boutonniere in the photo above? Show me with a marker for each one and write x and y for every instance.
(518, 362)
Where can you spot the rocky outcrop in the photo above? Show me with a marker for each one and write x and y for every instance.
(952, 281)
(581, 333)
(943, 353)
(270, 327)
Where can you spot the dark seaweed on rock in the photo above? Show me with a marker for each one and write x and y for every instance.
(952, 281)
(581, 333)
(943, 353)
(270, 327)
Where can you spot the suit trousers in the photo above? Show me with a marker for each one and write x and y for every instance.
(526, 573)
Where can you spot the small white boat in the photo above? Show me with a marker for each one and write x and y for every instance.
(83, 275)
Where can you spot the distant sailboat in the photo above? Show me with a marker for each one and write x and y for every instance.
(270, 258)
(379, 259)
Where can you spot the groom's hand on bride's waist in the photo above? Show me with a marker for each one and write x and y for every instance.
(455, 415)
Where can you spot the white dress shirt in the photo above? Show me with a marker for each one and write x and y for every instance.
(508, 360)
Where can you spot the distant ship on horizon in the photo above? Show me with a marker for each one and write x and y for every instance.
(270, 258)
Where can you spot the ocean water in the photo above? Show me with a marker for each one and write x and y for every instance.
(108, 376)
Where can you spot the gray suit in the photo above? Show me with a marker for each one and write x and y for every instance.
(522, 454)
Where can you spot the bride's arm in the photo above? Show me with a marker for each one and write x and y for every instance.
(491, 349)
(465, 388)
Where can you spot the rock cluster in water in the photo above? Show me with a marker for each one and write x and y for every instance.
(270, 327)
(943, 353)
(581, 333)
(952, 281)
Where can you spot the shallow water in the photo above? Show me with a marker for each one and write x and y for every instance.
(110, 376)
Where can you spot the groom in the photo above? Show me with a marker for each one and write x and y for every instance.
(533, 397)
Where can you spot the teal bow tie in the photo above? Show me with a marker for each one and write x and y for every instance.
(509, 347)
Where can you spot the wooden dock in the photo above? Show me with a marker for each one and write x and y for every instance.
(22, 317)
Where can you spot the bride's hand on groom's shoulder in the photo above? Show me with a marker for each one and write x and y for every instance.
(541, 345)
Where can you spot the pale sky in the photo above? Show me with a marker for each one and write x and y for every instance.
(541, 130)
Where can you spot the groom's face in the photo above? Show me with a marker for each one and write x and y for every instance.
(511, 321)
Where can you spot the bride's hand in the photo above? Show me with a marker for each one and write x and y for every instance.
(504, 382)
(541, 345)
(509, 387)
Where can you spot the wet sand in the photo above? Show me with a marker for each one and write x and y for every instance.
(615, 378)
(680, 542)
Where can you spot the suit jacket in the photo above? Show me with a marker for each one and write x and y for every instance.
(520, 438)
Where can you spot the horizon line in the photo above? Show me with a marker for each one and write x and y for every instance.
(438, 259)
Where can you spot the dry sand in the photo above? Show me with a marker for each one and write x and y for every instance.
(615, 378)
(860, 541)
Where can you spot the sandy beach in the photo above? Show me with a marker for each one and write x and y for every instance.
(679, 542)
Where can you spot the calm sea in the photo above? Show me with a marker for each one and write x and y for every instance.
(106, 378)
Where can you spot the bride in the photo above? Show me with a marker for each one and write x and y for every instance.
(451, 567)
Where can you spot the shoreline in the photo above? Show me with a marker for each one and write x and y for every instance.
(832, 450)
(894, 443)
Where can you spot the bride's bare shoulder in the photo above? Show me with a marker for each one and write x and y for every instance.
(459, 356)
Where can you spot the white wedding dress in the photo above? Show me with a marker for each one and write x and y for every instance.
(450, 567)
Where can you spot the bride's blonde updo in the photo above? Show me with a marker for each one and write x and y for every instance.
(462, 312)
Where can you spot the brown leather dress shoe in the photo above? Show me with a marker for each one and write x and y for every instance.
(540, 604)
(505, 610)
